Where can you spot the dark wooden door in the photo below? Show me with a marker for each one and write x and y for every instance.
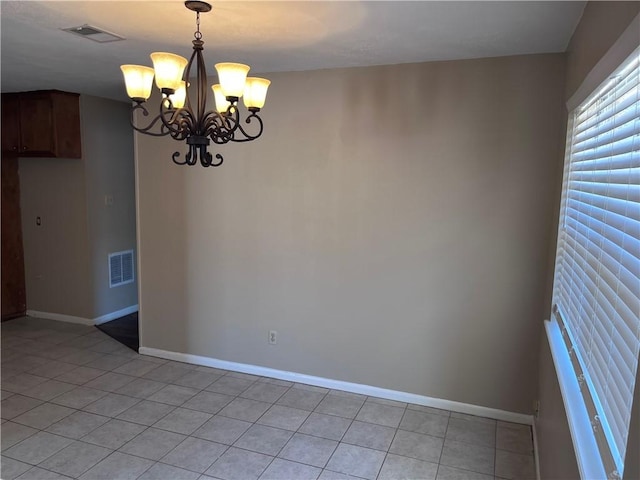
(13, 287)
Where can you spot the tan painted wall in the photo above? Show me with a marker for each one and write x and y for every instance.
(600, 26)
(391, 225)
(66, 257)
(108, 147)
(56, 254)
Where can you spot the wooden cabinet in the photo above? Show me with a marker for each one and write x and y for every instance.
(41, 124)
(13, 286)
(10, 124)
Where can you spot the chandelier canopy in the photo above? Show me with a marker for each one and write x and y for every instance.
(184, 120)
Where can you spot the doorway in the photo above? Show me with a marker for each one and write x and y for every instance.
(124, 330)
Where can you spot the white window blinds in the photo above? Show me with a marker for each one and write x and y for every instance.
(597, 276)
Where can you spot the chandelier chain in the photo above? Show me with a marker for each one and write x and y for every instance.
(197, 34)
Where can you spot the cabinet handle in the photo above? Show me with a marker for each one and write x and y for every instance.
(14, 148)
(24, 147)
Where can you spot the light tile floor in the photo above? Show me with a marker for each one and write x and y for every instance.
(77, 404)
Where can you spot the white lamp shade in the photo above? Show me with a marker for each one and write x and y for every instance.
(168, 69)
(138, 80)
(222, 104)
(255, 92)
(232, 78)
(178, 98)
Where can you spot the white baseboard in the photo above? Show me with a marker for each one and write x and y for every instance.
(341, 385)
(83, 321)
(113, 315)
(60, 317)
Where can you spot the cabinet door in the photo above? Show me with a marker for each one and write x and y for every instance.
(37, 131)
(13, 285)
(66, 117)
(10, 123)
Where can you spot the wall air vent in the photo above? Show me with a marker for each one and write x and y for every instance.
(120, 268)
(94, 33)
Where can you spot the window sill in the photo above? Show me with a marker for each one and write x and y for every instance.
(584, 442)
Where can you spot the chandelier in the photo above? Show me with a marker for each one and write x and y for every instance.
(184, 120)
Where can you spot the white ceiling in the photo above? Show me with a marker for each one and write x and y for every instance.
(270, 36)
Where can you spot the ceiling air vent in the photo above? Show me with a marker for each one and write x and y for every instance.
(94, 33)
(120, 268)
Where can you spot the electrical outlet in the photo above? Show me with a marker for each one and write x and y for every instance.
(273, 337)
(536, 407)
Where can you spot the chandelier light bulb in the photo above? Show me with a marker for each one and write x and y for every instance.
(138, 80)
(169, 69)
(178, 98)
(222, 104)
(232, 78)
(255, 92)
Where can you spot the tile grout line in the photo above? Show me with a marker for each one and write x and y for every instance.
(256, 423)
(386, 453)
(282, 448)
(444, 439)
(254, 380)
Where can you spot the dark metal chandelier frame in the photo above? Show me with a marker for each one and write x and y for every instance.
(191, 122)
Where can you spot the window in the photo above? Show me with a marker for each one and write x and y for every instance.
(597, 275)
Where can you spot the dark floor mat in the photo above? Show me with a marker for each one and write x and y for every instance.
(124, 330)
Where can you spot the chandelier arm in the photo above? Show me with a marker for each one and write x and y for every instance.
(198, 114)
(166, 127)
(217, 129)
(212, 123)
(183, 120)
(248, 137)
(206, 159)
(201, 86)
(175, 158)
(195, 152)
(190, 158)
(147, 130)
(167, 110)
(216, 164)
(222, 139)
(187, 75)
(232, 118)
(228, 124)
